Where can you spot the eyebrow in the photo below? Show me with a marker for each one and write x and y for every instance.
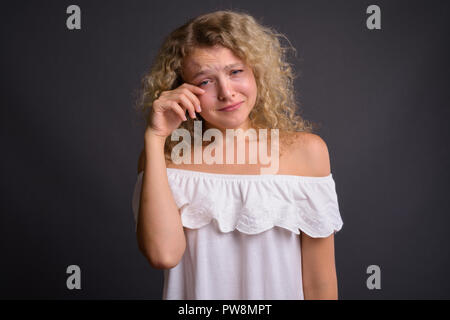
(204, 71)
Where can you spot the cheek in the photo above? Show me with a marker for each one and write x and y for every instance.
(249, 87)
(207, 99)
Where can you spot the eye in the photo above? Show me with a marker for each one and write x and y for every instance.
(236, 71)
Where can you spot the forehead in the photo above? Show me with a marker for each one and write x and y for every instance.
(208, 58)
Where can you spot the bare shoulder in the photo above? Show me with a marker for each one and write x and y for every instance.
(312, 151)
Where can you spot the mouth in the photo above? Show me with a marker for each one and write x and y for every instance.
(232, 107)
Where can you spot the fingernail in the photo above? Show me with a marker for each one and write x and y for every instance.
(199, 108)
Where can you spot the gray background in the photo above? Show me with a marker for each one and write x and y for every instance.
(71, 138)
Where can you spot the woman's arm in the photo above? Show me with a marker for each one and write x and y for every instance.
(318, 268)
(318, 262)
(160, 233)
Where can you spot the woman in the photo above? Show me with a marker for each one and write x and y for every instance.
(225, 231)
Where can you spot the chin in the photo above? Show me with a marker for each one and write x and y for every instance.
(232, 123)
(230, 120)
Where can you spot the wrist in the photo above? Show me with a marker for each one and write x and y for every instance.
(150, 135)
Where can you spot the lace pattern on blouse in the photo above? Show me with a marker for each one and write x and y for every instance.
(253, 204)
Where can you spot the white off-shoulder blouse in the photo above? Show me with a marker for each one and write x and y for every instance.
(242, 232)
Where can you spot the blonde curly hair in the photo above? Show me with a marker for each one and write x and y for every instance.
(256, 45)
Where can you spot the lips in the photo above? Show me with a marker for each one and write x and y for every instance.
(232, 107)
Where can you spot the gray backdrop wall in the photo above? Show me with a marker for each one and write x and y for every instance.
(71, 138)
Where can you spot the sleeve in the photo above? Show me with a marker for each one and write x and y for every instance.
(319, 214)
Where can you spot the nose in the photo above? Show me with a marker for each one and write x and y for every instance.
(225, 90)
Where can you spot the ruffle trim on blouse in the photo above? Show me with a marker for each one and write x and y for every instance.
(253, 204)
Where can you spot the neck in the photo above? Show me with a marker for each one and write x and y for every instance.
(244, 126)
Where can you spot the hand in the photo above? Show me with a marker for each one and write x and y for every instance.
(168, 111)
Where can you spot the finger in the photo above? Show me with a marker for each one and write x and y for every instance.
(195, 89)
(194, 100)
(188, 104)
(178, 110)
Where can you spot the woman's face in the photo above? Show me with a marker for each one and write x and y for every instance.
(226, 81)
